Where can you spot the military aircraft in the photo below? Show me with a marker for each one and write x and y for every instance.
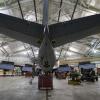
(47, 37)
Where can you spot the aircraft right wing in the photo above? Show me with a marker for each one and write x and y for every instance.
(73, 30)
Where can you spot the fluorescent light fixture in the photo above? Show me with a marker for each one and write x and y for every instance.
(30, 16)
(36, 52)
(69, 53)
(95, 51)
(25, 52)
(57, 53)
(6, 46)
(5, 10)
(73, 49)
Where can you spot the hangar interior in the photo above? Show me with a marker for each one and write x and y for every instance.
(59, 11)
(83, 50)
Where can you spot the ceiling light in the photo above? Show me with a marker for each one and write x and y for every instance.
(95, 51)
(69, 53)
(6, 46)
(36, 52)
(6, 10)
(57, 53)
(25, 52)
(73, 49)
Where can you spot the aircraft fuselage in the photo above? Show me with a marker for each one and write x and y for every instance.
(46, 54)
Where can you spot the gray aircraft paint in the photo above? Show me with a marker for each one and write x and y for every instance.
(46, 51)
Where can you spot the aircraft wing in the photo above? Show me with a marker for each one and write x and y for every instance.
(22, 30)
(73, 30)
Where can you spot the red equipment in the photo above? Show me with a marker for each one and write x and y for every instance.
(45, 82)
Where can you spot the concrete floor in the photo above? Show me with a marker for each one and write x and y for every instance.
(18, 88)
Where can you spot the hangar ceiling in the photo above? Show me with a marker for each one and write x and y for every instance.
(59, 11)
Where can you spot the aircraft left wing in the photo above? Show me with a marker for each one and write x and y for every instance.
(22, 30)
(73, 30)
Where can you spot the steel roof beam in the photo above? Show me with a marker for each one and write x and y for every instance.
(74, 9)
(34, 1)
(20, 9)
(60, 10)
(93, 47)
